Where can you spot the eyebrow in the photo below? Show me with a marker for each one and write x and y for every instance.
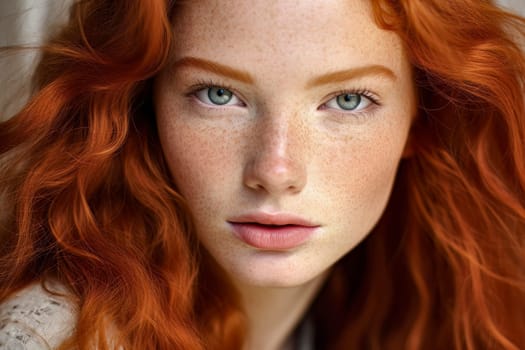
(214, 67)
(245, 77)
(353, 73)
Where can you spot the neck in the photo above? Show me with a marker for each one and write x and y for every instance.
(274, 312)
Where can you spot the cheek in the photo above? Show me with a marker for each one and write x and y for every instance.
(198, 158)
(359, 175)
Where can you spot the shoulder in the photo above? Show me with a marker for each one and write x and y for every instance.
(34, 319)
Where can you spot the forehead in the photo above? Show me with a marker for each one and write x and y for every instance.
(248, 34)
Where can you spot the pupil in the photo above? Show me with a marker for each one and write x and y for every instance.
(220, 92)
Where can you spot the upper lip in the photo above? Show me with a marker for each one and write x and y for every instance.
(277, 219)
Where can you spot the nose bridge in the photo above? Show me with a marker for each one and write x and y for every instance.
(276, 137)
(277, 161)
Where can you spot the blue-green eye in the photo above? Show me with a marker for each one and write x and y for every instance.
(349, 102)
(217, 95)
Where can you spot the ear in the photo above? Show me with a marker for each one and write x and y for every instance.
(411, 143)
(410, 147)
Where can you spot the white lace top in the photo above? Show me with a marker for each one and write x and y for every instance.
(34, 319)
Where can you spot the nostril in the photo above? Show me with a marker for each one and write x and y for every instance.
(274, 174)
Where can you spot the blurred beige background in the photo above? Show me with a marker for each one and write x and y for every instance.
(24, 22)
(28, 22)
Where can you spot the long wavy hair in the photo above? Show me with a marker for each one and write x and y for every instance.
(88, 200)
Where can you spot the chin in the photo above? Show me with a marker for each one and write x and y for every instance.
(273, 270)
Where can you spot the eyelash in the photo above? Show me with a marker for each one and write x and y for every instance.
(206, 84)
(363, 92)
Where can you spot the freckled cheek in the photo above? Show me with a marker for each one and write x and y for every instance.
(359, 175)
(200, 159)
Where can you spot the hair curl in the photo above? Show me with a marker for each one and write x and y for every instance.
(94, 207)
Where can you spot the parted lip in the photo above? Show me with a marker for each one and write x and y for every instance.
(274, 219)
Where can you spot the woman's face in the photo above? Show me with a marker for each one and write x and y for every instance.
(283, 123)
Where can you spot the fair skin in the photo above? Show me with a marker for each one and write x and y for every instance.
(307, 116)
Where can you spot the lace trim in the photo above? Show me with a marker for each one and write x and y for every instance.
(34, 319)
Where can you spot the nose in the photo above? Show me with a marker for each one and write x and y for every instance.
(275, 163)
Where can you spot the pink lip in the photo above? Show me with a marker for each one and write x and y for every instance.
(272, 231)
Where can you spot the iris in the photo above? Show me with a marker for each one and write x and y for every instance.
(219, 95)
(348, 101)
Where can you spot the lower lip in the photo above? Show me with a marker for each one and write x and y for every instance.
(272, 237)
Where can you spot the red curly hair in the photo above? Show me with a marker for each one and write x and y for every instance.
(92, 204)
